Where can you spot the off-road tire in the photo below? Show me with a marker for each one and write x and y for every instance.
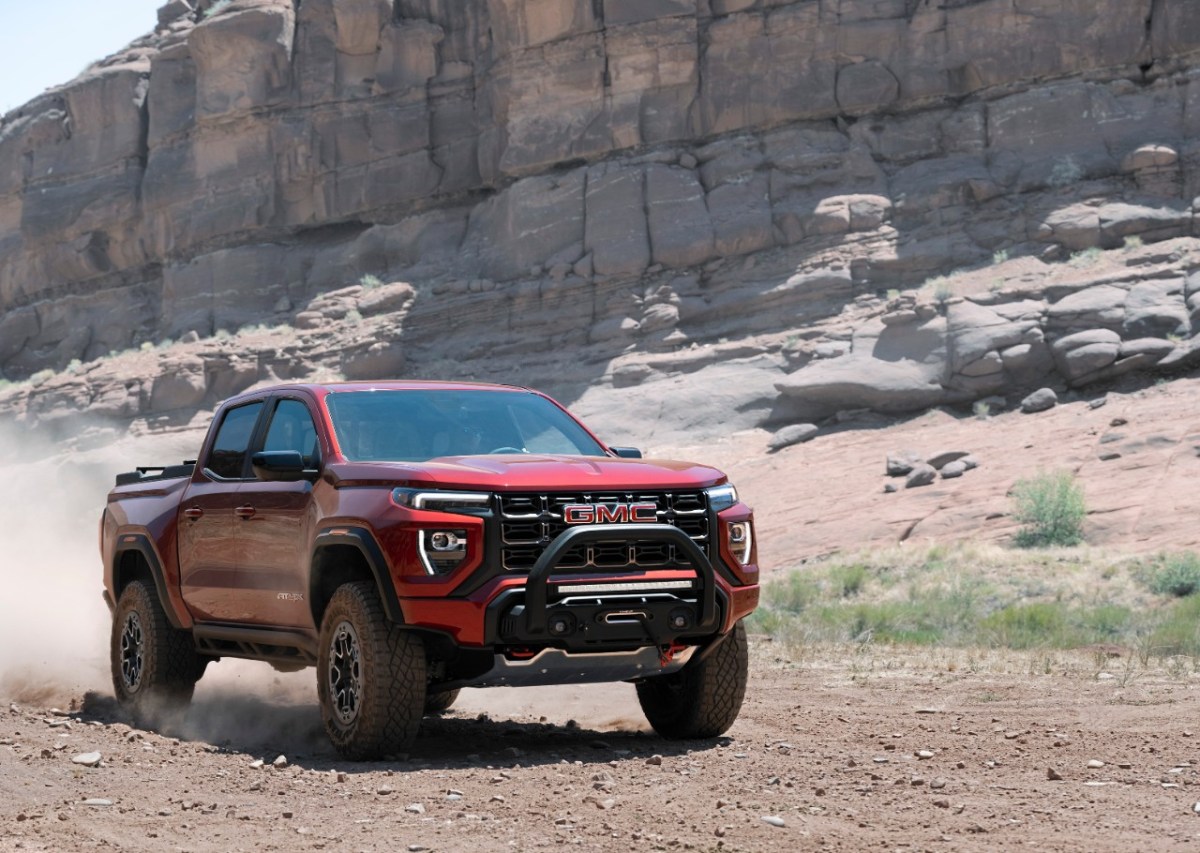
(436, 703)
(370, 676)
(155, 667)
(703, 699)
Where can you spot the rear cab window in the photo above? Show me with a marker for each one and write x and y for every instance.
(227, 458)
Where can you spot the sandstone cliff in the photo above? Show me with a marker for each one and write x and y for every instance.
(650, 187)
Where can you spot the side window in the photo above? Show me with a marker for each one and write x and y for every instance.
(227, 458)
(292, 429)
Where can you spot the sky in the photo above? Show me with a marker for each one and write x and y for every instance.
(47, 42)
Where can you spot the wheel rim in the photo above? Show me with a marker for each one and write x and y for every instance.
(345, 673)
(132, 651)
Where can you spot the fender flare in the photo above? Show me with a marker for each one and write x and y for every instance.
(141, 544)
(364, 541)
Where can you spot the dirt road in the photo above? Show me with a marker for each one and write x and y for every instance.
(878, 750)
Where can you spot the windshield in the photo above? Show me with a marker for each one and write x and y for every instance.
(418, 425)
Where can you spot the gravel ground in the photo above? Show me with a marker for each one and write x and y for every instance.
(842, 751)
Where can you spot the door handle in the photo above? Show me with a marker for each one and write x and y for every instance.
(193, 513)
(244, 511)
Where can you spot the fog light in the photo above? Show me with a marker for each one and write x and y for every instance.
(560, 625)
(442, 551)
(741, 538)
(445, 540)
(679, 619)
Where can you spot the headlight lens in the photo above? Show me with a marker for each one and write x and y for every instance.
(722, 497)
(741, 540)
(465, 503)
(443, 549)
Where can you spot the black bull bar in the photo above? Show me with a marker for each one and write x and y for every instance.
(536, 586)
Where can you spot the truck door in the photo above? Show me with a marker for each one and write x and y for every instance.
(207, 516)
(273, 528)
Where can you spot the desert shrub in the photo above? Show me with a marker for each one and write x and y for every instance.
(1178, 632)
(847, 581)
(1175, 574)
(981, 409)
(1052, 509)
(370, 282)
(1133, 241)
(1000, 256)
(1085, 258)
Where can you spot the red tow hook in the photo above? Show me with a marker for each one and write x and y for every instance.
(666, 654)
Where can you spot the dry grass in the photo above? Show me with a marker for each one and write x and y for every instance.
(980, 596)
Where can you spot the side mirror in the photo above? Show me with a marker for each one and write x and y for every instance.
(626, 452)
(278, 465)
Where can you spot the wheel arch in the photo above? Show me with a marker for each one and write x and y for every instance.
(343, 555)
(136, 559)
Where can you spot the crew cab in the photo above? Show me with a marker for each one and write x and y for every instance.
(412, 538)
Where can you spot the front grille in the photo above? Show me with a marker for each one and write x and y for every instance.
(530, 522)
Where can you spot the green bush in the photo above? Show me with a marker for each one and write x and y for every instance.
(1175, 574)
(1051, 507)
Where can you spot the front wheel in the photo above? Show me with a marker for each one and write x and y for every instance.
(370, 676)
(703, 699)
(436, 703)
(154, 667)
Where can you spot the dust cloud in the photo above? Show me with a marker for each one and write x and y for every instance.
(54, 625)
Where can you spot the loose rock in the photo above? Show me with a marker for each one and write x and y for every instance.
(922, 475)
(774, 820)
(794, 434)
(1039, 401)
(87, 759)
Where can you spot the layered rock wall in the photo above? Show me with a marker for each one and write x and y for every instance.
(590, 171)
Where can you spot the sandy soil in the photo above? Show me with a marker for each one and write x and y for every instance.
(878, 750)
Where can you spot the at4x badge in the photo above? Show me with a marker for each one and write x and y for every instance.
(636, 513)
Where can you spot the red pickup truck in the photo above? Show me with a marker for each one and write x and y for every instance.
(412, 538)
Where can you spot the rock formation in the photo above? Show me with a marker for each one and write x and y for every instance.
(652, 186)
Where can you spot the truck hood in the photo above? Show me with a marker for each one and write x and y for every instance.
(526, 472)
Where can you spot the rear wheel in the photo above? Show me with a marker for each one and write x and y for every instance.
(703, 699)
(436, 703)
(370, 676)
(154, 667)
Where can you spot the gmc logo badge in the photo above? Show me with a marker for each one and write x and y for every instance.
(610, 513)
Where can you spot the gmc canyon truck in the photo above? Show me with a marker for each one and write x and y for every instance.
(411, 538)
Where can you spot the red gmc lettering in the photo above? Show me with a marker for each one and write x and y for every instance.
(641, 513)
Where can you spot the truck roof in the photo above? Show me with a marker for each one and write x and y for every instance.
(322, 388)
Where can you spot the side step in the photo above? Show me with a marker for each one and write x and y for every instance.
(276, 646)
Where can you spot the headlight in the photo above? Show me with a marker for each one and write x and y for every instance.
(465, 503)
(443, 549)
(722, 497)
(741, 540)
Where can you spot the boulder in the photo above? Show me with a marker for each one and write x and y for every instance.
(1084, 353)
(1100, 306)
(1039, 401)
(789, 435)
(953, 469)
(921, 475)
(943, 459)
(902, 462)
